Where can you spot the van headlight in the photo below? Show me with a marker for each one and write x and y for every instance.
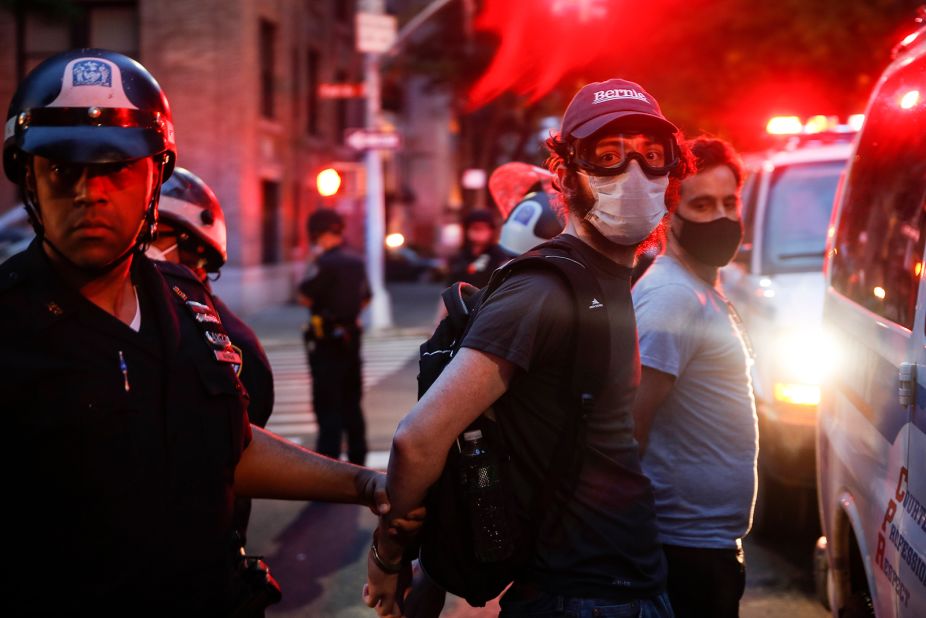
(804, 358)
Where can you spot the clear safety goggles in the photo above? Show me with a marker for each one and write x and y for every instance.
(609, 154)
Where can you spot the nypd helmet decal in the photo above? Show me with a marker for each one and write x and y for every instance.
(92, 82)
(91, 73)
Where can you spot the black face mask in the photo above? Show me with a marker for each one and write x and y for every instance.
(713, 243)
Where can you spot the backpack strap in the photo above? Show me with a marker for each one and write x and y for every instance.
(461, 300)
(592, 326)
(592, 354)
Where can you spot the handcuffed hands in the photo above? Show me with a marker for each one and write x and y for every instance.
(381, 590)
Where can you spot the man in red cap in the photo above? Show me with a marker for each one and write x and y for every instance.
(595, 549)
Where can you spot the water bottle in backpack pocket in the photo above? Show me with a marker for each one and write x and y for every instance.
(485, 499)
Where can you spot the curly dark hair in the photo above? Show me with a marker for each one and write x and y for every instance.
(710, 152)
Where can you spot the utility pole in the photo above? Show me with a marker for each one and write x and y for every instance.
(382, 44)
(380, 305)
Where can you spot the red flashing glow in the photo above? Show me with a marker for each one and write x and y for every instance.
(909, 38)
(784, 125)
(542, 41)
(525, 62)
(910, 99)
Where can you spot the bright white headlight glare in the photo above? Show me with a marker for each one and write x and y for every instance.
(804, 359)
(804, 355)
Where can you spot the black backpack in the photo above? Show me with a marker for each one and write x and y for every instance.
(445, 546)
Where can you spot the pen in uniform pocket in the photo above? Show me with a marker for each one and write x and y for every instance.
(125, 372)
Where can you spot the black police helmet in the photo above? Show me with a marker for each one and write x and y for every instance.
(325, 220)
(88, 106)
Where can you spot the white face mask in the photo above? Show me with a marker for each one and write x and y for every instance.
(157, 254)
(627, 207)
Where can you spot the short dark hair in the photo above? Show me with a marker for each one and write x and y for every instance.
(710, 152)
(325, 220)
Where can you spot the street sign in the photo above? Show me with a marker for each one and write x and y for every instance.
(341, 91)
(368, 139)
(375, 33)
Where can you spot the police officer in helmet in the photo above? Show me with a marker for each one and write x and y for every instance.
(129, 434)
(191, 231)
(335, 290)
(191, 225)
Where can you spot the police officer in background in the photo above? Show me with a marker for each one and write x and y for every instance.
(480, 254)
(191, 231)
(335, 290)
(128, 434)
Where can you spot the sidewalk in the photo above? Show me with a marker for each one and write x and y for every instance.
(390, 366)
(414, 306)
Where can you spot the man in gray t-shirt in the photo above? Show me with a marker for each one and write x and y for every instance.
(695, 413)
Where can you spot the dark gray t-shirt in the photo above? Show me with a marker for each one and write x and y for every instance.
(605, 545)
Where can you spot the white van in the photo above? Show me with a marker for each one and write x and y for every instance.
(776, 284)
(871, 445)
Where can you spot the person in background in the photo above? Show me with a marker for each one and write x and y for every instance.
(695, 416)
(191, 231)
(525, 197)
(480, 255)
(335, 290)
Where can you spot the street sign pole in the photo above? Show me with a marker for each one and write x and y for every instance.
(380, 305)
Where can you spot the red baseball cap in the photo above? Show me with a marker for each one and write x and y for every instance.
(601, 103)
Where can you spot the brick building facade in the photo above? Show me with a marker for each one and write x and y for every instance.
(242, 77)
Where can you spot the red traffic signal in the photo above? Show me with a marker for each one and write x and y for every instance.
(328, 182)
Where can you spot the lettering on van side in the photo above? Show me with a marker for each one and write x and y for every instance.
(907, 553)
(899, 588)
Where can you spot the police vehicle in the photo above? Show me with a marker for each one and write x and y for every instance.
(776, 284)
(871, 447)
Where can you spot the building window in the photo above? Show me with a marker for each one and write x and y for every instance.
(295, 83)
(295, 227)
(342, 10)
(311, 123)
(270, 222)
(113, 25)
(341, 108)
(268, 34)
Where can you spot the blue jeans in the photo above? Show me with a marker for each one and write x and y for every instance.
(545, 604)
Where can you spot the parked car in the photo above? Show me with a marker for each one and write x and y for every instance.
(406, 264)
(15, 232)
(776, 285)
(871, 446)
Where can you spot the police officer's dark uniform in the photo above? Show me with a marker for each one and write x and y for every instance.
(123, 446)
(473, 268)
(338, 288)
(190, 214)
(121, 443)
(190, 206)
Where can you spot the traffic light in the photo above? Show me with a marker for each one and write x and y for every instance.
(341, 179)
(328, 182)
